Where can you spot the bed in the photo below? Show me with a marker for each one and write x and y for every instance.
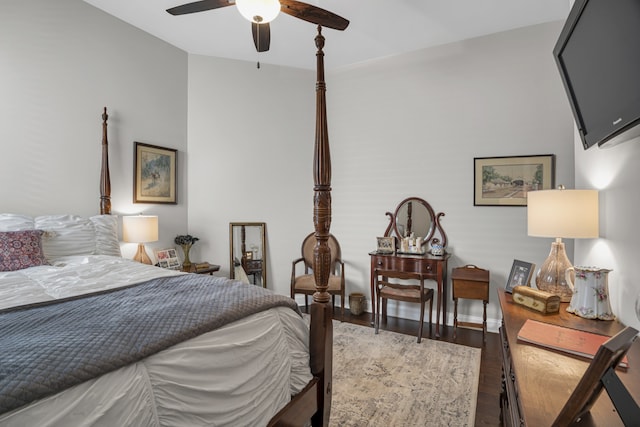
(91, 339)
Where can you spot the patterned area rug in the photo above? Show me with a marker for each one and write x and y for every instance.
(390, 380)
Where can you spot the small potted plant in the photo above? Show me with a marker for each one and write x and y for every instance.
(186, 241)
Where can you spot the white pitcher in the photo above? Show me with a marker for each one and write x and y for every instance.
(590, 293)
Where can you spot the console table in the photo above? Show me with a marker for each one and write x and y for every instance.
(431, 266)
(536, 382)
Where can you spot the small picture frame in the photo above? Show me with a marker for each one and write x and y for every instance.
(248, 255)
(168, 258)
(386, 245)
(521, 273)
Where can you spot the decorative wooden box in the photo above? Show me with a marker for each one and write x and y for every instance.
(535, 299)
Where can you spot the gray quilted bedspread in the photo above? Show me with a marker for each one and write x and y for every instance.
(48, 347)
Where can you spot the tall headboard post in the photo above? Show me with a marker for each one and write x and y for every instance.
(322, 183)
(321, 327)
(105, 180)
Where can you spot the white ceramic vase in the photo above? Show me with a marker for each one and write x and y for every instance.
(590, 293)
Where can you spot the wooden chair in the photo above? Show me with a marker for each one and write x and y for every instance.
(305, 283)
(407, 292)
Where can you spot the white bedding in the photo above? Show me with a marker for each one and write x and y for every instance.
(241, 374)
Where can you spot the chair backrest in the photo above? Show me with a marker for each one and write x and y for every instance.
(307, 251)
(382, 277)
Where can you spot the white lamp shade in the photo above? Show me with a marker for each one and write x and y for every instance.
(563, 213)
(259, 11)
(140, 228)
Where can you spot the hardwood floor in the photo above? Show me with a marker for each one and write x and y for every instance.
(488, 406)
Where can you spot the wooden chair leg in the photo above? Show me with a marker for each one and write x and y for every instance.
(306, 303)
(376, 316)
(421, 320)
(455, 317)
(430, 313)
(484, 322)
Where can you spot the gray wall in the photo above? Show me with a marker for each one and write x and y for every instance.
(614, 172)
(409, 125)
(60, 63)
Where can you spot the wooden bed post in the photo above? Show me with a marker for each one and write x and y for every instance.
(316, 397)
(105, 181)
(321, 340)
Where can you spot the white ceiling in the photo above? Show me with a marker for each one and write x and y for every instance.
(378, 28)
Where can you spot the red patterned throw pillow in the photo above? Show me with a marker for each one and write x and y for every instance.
(21, 249)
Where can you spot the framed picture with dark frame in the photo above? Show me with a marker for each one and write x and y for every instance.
(505, 181)
(521, 273)
(154, 174)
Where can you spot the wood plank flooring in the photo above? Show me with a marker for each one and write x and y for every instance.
(488, 406)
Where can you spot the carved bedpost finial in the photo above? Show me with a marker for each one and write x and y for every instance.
(105, 180)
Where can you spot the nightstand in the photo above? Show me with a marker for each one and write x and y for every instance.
(203, 269)
(252, 267)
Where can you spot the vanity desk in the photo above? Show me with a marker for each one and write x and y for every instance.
(537, 382)
(414, 217)
(430, 266)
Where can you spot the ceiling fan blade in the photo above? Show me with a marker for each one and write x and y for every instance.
(199, 6)
(313, 14)
(261, 36)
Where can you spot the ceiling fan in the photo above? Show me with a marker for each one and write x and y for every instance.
(261, 12)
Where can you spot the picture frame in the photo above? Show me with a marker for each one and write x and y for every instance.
(154, 174)
(386, 245)
(505, 181)
(168, 258)
(521, 273)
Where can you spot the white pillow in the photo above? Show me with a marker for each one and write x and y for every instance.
(106, 227)
(15, 222)
(67, 235)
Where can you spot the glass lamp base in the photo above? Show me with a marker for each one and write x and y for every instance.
(551, 276)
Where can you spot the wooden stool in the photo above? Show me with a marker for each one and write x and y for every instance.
(470, 282)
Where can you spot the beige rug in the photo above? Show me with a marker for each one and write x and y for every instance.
(390, 380)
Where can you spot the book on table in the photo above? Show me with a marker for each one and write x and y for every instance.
(567, 340)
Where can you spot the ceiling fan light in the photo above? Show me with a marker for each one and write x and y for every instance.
(259, 11)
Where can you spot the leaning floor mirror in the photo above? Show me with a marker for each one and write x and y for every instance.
(248, 252)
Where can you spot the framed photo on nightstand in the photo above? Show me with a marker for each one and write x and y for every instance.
(168, 258)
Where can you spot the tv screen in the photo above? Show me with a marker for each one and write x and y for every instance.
(598, 55)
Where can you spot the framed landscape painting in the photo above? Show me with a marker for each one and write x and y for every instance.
(154, 174)
(505, 181)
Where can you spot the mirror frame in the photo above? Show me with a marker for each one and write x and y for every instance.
(436, 235)
(238, 245)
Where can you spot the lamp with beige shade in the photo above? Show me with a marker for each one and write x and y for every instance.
(560, 213)
(140, 229)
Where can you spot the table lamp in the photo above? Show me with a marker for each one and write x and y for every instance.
(560, 213)
(140, 229)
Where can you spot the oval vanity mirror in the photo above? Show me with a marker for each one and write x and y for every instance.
(415, 215)
(248, 252)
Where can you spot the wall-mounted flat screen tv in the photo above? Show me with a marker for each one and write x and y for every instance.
(598, 55)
